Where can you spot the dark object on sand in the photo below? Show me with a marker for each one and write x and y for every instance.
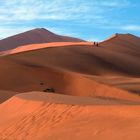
(96, 44)
(41, 83)
(49, 90)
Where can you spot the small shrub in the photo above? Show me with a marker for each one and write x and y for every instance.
(49, 90)
(41, 83)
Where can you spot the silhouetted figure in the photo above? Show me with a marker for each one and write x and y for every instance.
(97, 44)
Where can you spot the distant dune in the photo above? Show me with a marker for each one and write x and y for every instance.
(55, 87)
(124, 43)
(39, 35)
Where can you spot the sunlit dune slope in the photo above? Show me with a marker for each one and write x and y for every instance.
(32, 47)
(40, 116)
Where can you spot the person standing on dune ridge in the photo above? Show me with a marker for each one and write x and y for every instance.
(97, 44)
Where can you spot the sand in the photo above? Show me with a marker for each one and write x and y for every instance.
(32, 47)
(40, 116)
(50, 66)
(4, 95)
(96, 89)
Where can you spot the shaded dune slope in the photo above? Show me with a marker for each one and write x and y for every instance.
(123, 43)
(37, 116)
(5, 95)
(86, 59)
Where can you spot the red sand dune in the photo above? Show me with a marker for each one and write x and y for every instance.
(40, 116)
(123, 43)
(108, 78)
(68, 69)
(32, 47)
(5, 95)
(39, 35)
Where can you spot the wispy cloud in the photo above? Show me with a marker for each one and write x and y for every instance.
(28, 10)
(18, 15)
(47, 10)
(131, 27)
(8, 31)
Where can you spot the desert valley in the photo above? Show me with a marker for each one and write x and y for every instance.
(57, 87)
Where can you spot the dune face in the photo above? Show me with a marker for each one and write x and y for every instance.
(39, 35)
(83, 60)
(40, 116)
(70, 70)
(56, 87)
(125, 43)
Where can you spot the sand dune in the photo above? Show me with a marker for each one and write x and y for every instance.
(39, 35)
(32, 47)
(95, 89)
(64, 82)
(40, 116)
(5, 95)
(67, 69)
(123, 43)
(131, 84)
(83, 59)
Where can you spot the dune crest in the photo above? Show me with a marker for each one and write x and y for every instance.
(38, 35)
(43, 45)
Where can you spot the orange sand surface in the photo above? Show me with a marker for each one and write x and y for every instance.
(95, 89)
(40, 116)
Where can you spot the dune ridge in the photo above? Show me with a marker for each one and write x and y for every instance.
(38, 35)
(32, 47)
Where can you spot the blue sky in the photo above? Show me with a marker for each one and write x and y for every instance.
(86, 19)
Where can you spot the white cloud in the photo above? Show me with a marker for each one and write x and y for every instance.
(89, 12)
(116, 3)
(26, 10)
(125, 27)
(6, 32)
(131, 27)
(94, 39)
(33, 10)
